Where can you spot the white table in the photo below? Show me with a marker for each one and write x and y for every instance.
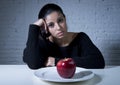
(22, 75)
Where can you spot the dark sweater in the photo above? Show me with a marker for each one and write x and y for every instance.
(81, 49)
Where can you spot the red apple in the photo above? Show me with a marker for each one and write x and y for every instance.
(66, 67)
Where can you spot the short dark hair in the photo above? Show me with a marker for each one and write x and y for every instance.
(49, 8)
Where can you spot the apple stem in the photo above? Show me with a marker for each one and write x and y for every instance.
(65, 57)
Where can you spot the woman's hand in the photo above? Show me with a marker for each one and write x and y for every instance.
(41, 23)
(50, 61)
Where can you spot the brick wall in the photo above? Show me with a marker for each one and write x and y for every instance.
(100, 19)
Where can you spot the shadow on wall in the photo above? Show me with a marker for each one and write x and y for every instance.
(112, 54)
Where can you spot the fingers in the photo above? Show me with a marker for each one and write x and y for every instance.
(41, 23)
(45, 25)
(50, 61)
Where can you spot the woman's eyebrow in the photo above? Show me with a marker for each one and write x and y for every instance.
(49, 23)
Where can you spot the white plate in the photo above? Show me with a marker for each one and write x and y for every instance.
(50, 74)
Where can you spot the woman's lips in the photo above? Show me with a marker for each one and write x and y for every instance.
(60, 33)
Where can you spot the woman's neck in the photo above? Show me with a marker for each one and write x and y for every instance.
(65, 41)
(62, 42)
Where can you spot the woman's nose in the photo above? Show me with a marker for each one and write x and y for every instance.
(58, 26)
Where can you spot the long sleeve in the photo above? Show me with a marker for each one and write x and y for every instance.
(89, 56)
(35, 53)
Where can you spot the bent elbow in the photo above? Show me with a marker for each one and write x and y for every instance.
(35, 66)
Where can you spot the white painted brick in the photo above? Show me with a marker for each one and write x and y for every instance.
(100, 19)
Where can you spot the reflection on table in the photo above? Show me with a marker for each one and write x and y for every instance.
(22, 75)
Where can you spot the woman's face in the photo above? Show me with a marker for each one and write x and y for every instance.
(56, 24)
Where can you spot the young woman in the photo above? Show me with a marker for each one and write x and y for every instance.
(49, 41)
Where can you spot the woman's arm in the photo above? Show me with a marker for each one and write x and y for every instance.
(35, 53)
(89, 55)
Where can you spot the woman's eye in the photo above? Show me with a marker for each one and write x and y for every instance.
(60, 20)
(51, 25)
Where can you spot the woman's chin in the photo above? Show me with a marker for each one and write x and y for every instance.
(60, 37)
